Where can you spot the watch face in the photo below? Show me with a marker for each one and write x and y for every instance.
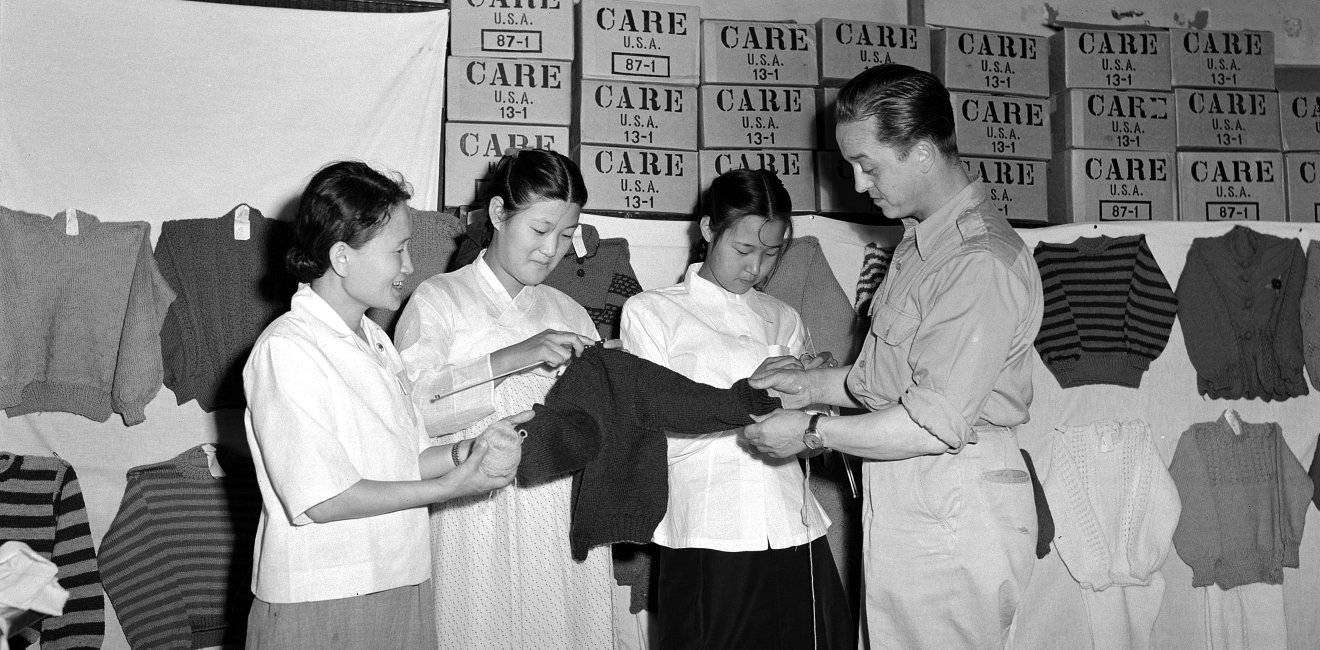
(813, 440)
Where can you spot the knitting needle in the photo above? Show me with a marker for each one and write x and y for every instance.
(477, 382)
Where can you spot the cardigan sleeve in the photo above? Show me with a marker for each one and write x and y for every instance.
(83, 623)
(1151, 308)
(1296, 490)
(140, 578)
(1207, 331)
(1288, 345)
(1196, 537)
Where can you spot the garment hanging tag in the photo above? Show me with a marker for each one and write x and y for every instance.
(211, 463)
(1234, 421)
(71, 222)
(579, 244)
(242, 227)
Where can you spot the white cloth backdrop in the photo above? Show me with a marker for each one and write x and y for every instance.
(152, 110)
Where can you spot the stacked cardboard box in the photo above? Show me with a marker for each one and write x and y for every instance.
(1114, 134)
(848, 47)
(635, 129)
(1230, 161)
(508, 85)
(1299, 110)
(999, 85)
(759, 101)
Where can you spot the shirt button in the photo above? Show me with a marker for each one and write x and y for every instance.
(380, 347)
(581, 273)
(861, 364)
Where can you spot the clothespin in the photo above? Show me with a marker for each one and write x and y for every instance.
(242, 226)
(71, 222)
(1234, 421)
(212, 463)
(579, 244)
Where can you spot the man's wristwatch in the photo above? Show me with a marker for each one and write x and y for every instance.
(812, 438)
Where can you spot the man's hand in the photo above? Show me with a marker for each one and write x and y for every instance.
(791, 386)
(778, 434)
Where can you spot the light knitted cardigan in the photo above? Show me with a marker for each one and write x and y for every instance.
(1129, 545)
(1244, 500)
(81, 315)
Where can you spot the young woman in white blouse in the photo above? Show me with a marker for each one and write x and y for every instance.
(343, 461)
(504, 578)
(744, 562)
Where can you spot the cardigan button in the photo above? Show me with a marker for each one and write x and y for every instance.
(1247, 303)
(1247, 336)
(1246, 277)
(581, 273)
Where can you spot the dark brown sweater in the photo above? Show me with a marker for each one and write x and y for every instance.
(623, 405)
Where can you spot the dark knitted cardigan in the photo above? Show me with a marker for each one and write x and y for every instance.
(605, 420)
(1239, 304)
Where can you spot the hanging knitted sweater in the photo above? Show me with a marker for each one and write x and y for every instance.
(1108, 310)
(803, 279)
(607, 417)
(1244, 499)
(85, 317)
(177, 559)
(41, 505)
(1239, 305)
(1114, 504)
(229, 290)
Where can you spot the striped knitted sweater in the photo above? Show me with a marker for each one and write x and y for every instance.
(177, 559)
(1108, 310)
(41, 505)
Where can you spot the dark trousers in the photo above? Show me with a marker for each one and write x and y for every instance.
(713, 600)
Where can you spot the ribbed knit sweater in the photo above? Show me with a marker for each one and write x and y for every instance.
(1239, 306)
(600, 280)
(177, 559)
(624, 405)
(228, 291)
(1108, 310)
(1244, 499)
(41, 505)
(1114, 504)
(804, 280)
(434, 239)
(84, 323)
